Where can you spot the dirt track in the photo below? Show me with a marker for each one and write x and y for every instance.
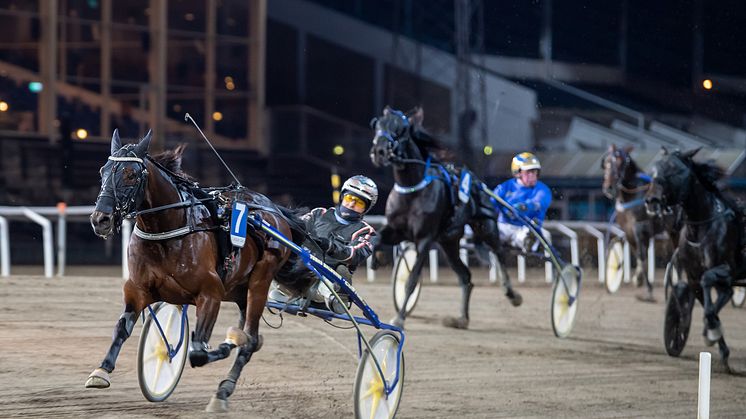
(53, 332)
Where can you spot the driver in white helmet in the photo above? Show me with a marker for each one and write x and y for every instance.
(340, 236)
(528, 195)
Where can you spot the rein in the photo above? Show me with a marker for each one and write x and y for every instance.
(176, 179)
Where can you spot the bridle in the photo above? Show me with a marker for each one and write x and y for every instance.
(128, 202)
(619, 171)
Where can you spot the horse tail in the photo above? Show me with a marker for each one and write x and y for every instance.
(297, 226)
(295, 275)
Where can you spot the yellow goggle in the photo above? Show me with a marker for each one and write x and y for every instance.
(354, 200)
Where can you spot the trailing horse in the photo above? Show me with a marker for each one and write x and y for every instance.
(420, 207)
(626, 184)
(174, 254)
(710, 244)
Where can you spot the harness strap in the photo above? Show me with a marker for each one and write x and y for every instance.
(162, 236)
(426, 180)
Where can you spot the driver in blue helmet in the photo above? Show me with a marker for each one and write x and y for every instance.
(339, 236)
(528, 195)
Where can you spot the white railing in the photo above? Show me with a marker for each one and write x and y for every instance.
(44, 216)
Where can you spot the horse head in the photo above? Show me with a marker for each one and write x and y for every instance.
(123, 184)
(672, 180)
(615, 164)
(392, 142)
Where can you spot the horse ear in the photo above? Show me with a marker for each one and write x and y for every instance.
(144, 144)
(664, 150)
(116, 142)
(689, 154)
(417, 117)
(178, 152)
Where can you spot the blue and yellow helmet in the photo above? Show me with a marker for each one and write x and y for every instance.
(524, 161)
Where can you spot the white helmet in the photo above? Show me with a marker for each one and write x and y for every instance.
(362, 187)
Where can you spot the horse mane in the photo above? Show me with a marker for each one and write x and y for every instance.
(171, 160)
(711, 176)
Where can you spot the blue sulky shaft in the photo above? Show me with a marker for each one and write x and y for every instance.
(325, 273)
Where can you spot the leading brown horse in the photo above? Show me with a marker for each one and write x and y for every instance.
(173, 255)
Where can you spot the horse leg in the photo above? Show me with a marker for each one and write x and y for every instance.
(135, 301)
(250, 340)
(423, 248)
(641, 271)
(489, 233)
(451, 248)
(208, 307)
(719, 278)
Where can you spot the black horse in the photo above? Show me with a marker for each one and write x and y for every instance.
(711, 242)
(626, 184)
(420, 207)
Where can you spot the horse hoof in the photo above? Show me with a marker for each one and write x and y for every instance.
(712, 336)
(198, 358)
(645, 298)
(99, 378)
(515, 298)
(397, 322)
(723, 367)
(236, 336)
(217, 405)
(456, 322)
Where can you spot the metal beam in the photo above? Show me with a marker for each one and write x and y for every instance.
(210, 75)
(257, 47)
(106, 9)
(48, 68)
(158, 32)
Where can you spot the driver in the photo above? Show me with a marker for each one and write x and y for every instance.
(339, 236)
(529, 196)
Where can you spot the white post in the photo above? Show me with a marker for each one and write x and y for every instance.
(4, 248)
(127, 226)
(548, 268)
(493, 267)
(369, 272)
(601, 250)
(433, 254)
(651, 260)
(703, 396)
(61, 242)
(627, 262)
(46, 226)
(521, 269)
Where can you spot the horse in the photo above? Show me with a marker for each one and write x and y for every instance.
(625, 183)
(712, 239)
(421, 205)
(173, 255)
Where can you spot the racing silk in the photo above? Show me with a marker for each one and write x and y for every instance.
(349, 240)
(536, 198)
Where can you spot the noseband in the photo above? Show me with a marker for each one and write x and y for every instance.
(126, 203)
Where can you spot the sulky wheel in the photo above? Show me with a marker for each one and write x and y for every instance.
(402, 269)
(678, 318)
(739, 296)
(157, 373)
(614, 266)
(369, 395)
(565, 300)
